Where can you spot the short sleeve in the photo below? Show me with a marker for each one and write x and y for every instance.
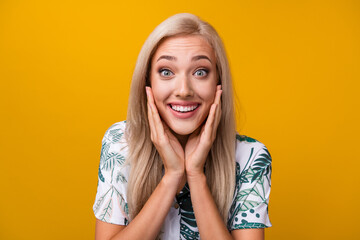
(253, 184)
(110, 202)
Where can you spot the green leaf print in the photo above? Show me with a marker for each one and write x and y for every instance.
(248, 174)
(116, 136)
(111, 159)
(107, 211)
(243, 175)
(104, 151)
(240, 177)
(189, 218)
(101, 177)
(100, 201)
(120, 159)
(262, 165)
(187, 233)
(242, 138)
(120, 177)
(121, 201)
(249, 204)
(250, 198)
(246, 224)
(237, 171)
(188, 226)
(242, 198)
(244, 193)
(98, 204)
(243, 178)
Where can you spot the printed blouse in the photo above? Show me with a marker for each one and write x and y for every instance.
(248, 210)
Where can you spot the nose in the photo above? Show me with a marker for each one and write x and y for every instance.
(184, 87)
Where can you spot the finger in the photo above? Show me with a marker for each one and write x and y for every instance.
(218, 109)
(153, 113)
(210, 121)
(166, 129)
(213, 116)
(156, 117)
(218, 94)
(150, 97)
(217, 115)
(151, 122)
(218, 102)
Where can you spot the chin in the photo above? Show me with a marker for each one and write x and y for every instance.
(182, 129)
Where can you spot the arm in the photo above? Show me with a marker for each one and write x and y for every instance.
(208, 218)
(147, 224)
(249, 234)
(104, 230)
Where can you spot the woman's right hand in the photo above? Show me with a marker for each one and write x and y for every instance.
(169, 148)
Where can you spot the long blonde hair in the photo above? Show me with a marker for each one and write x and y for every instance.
(144, 160)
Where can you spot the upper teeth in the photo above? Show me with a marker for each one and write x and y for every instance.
(183, 108)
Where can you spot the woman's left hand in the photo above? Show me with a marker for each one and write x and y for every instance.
(199, 142)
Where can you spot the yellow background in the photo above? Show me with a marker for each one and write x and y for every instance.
(65, 70)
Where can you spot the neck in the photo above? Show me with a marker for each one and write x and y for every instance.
(181, 138)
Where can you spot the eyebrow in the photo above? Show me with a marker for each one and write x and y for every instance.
(172, 58)
(167, 57)
(198, 57)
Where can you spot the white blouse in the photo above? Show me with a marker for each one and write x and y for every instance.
(250, 203)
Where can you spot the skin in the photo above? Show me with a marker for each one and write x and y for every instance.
(178, 74)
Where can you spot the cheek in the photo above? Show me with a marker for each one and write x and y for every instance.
(160, 94)
(208, 94)
(157, 98)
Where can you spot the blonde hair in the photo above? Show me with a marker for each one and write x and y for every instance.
(145, 162)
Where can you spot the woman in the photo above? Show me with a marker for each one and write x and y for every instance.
(170, 171)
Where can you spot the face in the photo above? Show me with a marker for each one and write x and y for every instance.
(183, 79)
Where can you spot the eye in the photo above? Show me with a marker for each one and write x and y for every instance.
(165, 72)
(201, 72)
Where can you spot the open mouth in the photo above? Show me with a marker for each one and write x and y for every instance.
(184, 109)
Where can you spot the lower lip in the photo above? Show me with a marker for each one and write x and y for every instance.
(183, 115)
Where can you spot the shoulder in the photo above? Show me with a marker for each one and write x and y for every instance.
(114, 145)
(253, 183)
(111, 202)
(252, 156)
(113, 167)
(247, 147)
(115, 132)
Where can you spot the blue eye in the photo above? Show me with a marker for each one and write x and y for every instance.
(165, 72)
(201, 72)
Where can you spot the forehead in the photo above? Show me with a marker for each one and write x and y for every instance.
(185, 45)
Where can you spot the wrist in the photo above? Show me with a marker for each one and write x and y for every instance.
(194, 167)
(173, 178)
(194, 171)
(195, 176)
(178, 173)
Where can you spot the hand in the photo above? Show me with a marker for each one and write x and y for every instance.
(169, 148)
(199, 143)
